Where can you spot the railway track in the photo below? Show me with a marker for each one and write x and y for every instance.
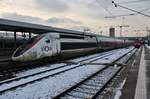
(92, 86)
(44, 74)
(10, 84)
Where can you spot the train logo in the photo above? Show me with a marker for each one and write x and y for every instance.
(46, 48)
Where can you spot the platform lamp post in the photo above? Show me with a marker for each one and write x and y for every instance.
(148, 35)
(120, 31)
(29, 35)
(15, 39)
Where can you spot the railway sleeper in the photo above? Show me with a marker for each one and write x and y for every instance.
(88, 87)
(82, 95)
(93, 91)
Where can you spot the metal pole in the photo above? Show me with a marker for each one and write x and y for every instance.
(120, 31)
(15, 39)
(29, 35)
(148, 37)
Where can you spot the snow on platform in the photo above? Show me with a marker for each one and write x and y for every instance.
(147, 46)
(140, 92)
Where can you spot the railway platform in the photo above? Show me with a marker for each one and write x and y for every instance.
(137, 84)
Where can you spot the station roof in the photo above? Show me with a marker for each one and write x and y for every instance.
(10, 25)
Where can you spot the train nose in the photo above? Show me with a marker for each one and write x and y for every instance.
(17, 58)
(22, 58)
(21, 55)
(17, 55)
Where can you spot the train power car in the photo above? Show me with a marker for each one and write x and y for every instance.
(54, 44)
(137, 43)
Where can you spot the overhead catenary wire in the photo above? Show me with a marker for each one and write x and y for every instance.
(120, 15)
(118, 5)
(104, 7)
(135, 1)
(131, 14)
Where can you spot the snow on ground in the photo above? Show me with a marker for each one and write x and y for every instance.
(113, 57)
(39, 69)
(106, 60)
(29, 79)
(124, 59)
(118, 90)
(147, 46)
(47, 88)
(92, 56)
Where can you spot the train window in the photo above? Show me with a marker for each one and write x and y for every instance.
(47, 41)
(31, 42)
(71, 36)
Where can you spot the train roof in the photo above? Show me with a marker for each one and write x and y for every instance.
(102, 36)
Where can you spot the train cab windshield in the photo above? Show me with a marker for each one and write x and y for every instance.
(28, 44)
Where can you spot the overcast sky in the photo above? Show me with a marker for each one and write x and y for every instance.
(79, 14)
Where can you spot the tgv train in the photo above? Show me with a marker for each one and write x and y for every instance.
(48, 45)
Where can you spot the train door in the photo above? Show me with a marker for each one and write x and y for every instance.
(55, 46)
(55, 43)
